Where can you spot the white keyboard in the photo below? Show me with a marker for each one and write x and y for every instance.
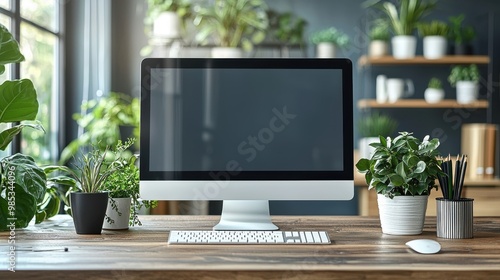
(248, 237)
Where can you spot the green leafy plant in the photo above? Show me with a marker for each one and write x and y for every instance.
(232, 23)
(330, 35)
(376, 124)
(379, 32)
(22, 181)
(433, 28)
(459, 33)
(435, 83)
(403, 17)
(102, 122)
(402, 166)
(286, 28)
(124, 183)
(463, 73)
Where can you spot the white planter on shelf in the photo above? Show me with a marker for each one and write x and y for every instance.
(402, 215)
(223, 52)
(167, 26)
(433, 95)
(365, 150)
(404, 46)
(434, 47)
(326, 50)
(467, 92)
(378, 48)
(119, 221)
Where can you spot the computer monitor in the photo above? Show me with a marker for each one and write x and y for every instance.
(246, 131)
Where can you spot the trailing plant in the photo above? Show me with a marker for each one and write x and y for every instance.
(463, 73)
(102, 121)
(403, 16)
(330, 35)
(433, 28)
(232, 23)
(435, 83)
(459, 33)
(402, 166)
(286, 28)
(22, 181)
(376, 124)
(124, 183)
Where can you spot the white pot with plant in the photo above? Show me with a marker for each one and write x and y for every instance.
(403, 21)
(403, 171)
(434, 92)
(434, 34)
(233, 25)
(370, 128)
(123, 188)
(327, 42)
(379, 40)
(465, 79)
(168, 18)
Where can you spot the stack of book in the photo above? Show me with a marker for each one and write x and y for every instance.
(479, 143)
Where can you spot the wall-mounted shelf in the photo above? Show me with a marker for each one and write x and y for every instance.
(420, 103)
(420, 60)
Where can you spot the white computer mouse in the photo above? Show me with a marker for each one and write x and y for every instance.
(424, 246)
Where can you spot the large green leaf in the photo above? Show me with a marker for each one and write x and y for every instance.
(9, 49)
(7, 135)
(18, 101)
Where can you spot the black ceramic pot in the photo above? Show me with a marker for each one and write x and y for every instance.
(88, 210)
(463, 49)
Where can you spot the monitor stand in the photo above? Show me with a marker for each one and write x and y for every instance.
(245, 215)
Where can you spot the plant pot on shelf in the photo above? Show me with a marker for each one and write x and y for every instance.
(118, 217)
(402, 215)
(365, 150)
(88, 211)
(434, 47)
(167, 26)
(404, 46)
(467, 92)
(223, 52)
(462, 49)
(378, 48)
(326, 50)
(433, 95)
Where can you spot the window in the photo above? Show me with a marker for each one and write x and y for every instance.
(36, 25)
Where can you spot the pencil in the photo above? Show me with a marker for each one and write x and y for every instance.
(457, 179)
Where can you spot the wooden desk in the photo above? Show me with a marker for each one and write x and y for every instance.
(359, 251)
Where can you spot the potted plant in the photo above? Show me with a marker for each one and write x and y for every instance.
(465, 79)
(232, 25)
(434, 34)
(168, 18)
(403, 20)
(402, 171)
(434, 92)
(286, 29)
(328, 40)
(122, 186)
(104, 121)
(379, 38)
(370, 128)
(461, 36)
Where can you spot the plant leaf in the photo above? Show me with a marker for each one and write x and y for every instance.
(7, 135)
(18, 101)
(420, 167)
(9, 49)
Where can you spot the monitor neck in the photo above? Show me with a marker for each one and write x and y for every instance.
(245, 215)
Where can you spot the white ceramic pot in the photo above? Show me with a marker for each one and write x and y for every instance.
(167, 26)
(434, 47)
(326, 50)
(404, 46)
(467, 92)
(378, 48)
(433, 95)
(365, 150)
(402, 215)
(119, 221)
(222, 52)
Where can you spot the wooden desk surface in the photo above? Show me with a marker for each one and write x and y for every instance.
(359, 251)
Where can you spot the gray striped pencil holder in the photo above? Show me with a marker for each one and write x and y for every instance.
(455, 219)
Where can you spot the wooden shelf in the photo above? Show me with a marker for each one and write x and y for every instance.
(451, 59)
(420, 103)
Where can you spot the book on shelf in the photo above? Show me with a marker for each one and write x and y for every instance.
(479, 143)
